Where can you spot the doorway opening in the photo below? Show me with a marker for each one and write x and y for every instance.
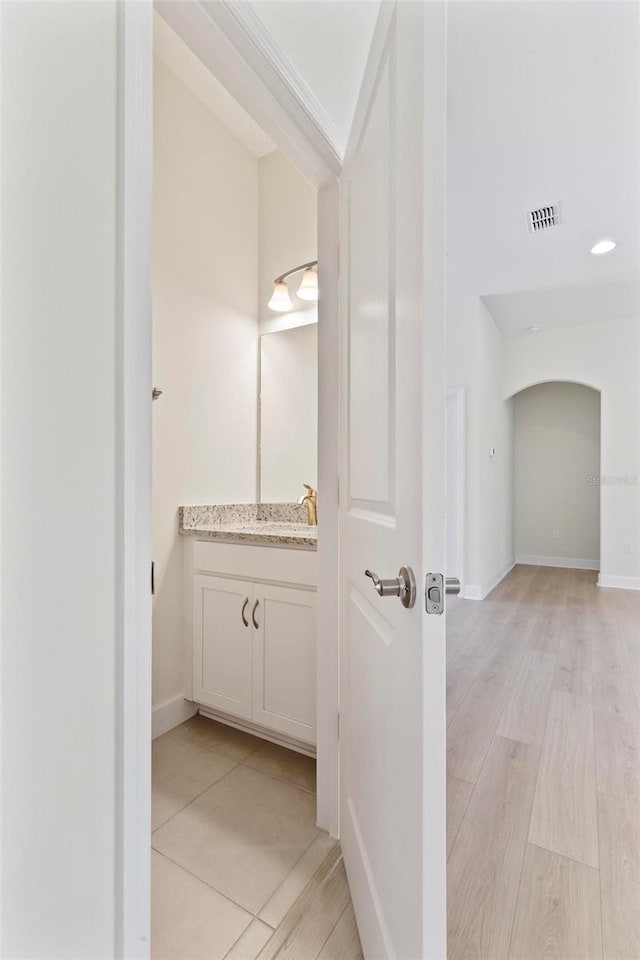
(543, 332)
(236, 818)
(557, 476)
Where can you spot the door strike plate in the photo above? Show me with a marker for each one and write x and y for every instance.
(434, 593)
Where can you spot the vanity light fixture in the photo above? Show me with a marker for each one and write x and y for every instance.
(308, 289)
(603, 246)
(280, 299)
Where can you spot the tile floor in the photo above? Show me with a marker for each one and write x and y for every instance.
(543, 794)
(234, 841)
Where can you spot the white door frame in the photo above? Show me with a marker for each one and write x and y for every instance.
(241, 55)
(133, 472)
(458, 394)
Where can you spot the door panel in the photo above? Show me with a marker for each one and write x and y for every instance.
(371, 310)
(222, 644)
(392, 679)
(284, 643)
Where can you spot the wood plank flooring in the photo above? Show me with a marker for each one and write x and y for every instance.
(543, 763)
(321, 924)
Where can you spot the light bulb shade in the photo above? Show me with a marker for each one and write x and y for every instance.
(280, 299)
(308, 289)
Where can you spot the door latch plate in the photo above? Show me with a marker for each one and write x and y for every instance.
(434, 593)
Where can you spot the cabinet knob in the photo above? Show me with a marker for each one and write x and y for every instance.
(253, 615)
(244, 607)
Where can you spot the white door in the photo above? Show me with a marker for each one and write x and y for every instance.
(222, 635)
(392, 729)
(284, 660)
(453, 471)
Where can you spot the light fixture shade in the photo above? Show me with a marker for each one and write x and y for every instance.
(308, 289)
(280, 299)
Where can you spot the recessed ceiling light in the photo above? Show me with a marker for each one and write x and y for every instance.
(533, 328)
(603, 246)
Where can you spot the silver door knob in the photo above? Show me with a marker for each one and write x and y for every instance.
(452, 586)
(402, 586)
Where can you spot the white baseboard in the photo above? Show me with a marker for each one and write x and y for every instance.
(620, 583)
(265, 733)
(573, 563)
(473, 592)
(169, 713)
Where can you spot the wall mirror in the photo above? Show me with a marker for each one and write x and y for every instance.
(288, 413)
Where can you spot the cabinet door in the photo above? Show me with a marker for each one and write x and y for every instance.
(284, 660)
(222, 631)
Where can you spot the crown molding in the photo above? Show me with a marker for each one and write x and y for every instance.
(215, 32)
(250, 23)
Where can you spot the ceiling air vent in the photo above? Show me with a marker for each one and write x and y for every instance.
(543, 218)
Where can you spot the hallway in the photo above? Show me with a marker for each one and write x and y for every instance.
(543, 835)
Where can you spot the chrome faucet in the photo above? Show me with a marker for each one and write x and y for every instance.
(311, 500)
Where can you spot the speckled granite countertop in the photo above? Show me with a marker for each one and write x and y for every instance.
(278, 524)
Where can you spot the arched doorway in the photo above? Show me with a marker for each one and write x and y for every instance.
(557, 475)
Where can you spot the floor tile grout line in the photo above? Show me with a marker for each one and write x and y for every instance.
(249, 914)
(338, 860)
(239, 763)
(238, 939)
(246, 909)
(211, 748)
(210, 886)
(284, 879)
(274, 776)
(245, 759)
(197, 797)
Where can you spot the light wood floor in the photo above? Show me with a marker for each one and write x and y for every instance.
(543, 769)
(321, 925)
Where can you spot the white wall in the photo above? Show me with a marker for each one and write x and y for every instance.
(475, 356)
(288, 237)
(605, 356)
(332, 65)
(205, 350)
(556, 458)
(59, 317)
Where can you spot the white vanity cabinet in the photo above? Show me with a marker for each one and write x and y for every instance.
(284, 660)
(253, 635)
(222, 641)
